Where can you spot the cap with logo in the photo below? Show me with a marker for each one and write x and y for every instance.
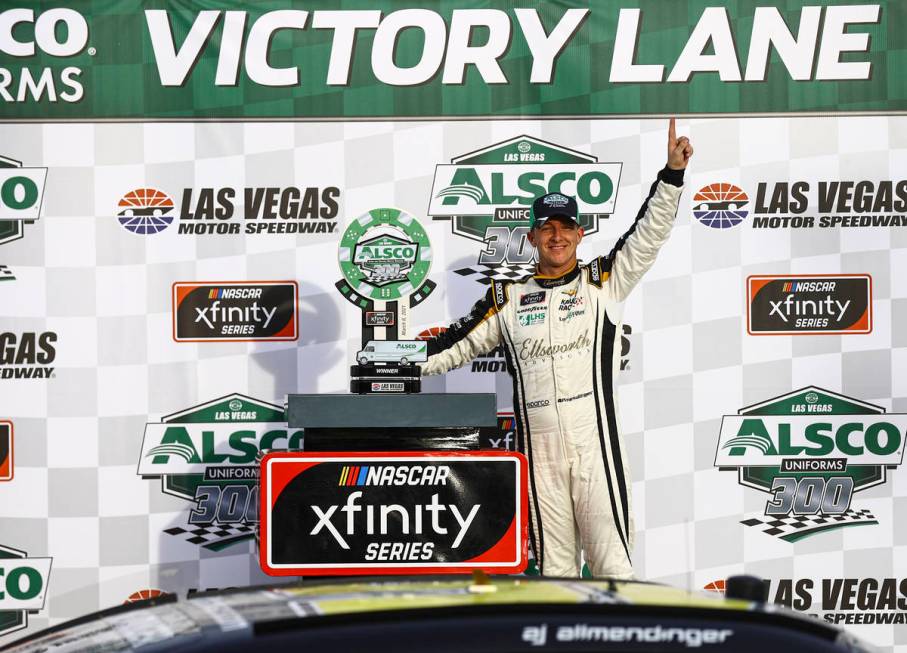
(550, 206)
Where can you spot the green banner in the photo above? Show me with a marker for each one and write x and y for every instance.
(125, 59)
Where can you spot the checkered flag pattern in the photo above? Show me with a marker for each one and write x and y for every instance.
(485, 274)
(215, 536)
(794, 527)
(6, 274)
(384, 273)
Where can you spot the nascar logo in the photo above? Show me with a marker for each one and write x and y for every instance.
(376, 475)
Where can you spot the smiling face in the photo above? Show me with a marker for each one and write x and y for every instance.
(556, 241)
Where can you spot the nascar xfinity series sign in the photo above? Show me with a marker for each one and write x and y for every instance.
(409, 512)
(811, 450)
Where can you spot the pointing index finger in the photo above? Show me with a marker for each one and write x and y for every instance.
(672, 132)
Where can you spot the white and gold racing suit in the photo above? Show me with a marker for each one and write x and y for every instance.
(562, 343)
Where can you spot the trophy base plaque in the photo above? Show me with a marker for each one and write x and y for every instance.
(385, 379)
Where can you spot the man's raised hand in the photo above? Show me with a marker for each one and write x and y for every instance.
(679, 149)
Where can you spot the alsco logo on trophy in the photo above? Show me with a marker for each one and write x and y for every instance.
(811, 450)
(385, 257)
(487, 194)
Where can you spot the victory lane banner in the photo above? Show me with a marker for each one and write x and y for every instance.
(223, 311)
(408, 512)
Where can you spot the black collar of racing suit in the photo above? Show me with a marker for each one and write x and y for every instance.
(554, 282)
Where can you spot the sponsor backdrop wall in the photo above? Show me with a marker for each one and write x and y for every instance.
(176, 178)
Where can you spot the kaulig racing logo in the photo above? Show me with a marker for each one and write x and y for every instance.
(23, 587)
(21, 197)
(811, 450)
(487, 195)
(208, 454)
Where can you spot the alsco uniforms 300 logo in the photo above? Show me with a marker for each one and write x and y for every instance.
(21, 198)
(487, 194)
(811, 450)
(208, 455)
(23, 587)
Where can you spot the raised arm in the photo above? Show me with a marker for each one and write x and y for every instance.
(635, 251)
(476, 333)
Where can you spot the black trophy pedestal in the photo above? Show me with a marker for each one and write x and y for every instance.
(393, 422)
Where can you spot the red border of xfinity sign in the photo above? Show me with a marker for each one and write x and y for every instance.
(381, 534)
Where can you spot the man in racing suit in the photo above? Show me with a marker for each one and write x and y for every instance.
(561, 330)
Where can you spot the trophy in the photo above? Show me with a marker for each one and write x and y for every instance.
(385, 257)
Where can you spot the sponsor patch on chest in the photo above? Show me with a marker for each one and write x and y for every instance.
(531, 319)
(532, 298)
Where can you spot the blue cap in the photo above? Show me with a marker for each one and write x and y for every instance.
(550, 206)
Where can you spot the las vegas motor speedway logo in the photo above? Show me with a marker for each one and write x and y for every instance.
(811, 450)
(21, 198)
(486, 195)
(23, 587)
(208, 454)
(850, 601)
(232, 211)
(27, 354)
(802, 204)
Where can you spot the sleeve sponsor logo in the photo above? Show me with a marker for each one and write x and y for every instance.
(809, 304)
(240, 310)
